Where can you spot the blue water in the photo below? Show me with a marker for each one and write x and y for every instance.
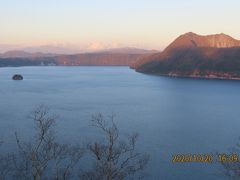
(172, 115)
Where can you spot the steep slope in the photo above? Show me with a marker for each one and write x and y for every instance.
(193, 55)
(193, 40)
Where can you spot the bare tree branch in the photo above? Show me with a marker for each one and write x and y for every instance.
(114, 158)
(44, 157)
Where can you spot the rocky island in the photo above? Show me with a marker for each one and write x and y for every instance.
(17, 77)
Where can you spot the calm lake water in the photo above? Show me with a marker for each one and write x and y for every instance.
(172, 115)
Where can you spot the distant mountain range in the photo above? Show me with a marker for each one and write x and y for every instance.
(24, 54)
(192, 55)
(109, 57)
(128, 50)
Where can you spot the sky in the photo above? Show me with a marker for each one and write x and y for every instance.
(150, 24)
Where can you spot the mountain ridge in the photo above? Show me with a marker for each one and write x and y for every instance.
(195, 55)
(194, 40)
(112, 57)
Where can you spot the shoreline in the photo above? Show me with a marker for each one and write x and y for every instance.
(194, 76)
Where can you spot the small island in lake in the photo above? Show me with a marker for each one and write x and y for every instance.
(17, 77)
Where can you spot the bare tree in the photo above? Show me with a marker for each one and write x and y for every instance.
(44, 157)
(114, 159)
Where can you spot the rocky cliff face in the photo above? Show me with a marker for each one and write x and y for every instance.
(196, 56)
(194, 40)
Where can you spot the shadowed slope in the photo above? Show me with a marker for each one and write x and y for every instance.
(216, 56)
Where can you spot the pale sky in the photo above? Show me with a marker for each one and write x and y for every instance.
(151, 24)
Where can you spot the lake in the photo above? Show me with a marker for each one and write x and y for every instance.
(172, 115)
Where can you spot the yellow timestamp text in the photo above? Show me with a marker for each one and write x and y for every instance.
(205, 158)
(187, 158)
